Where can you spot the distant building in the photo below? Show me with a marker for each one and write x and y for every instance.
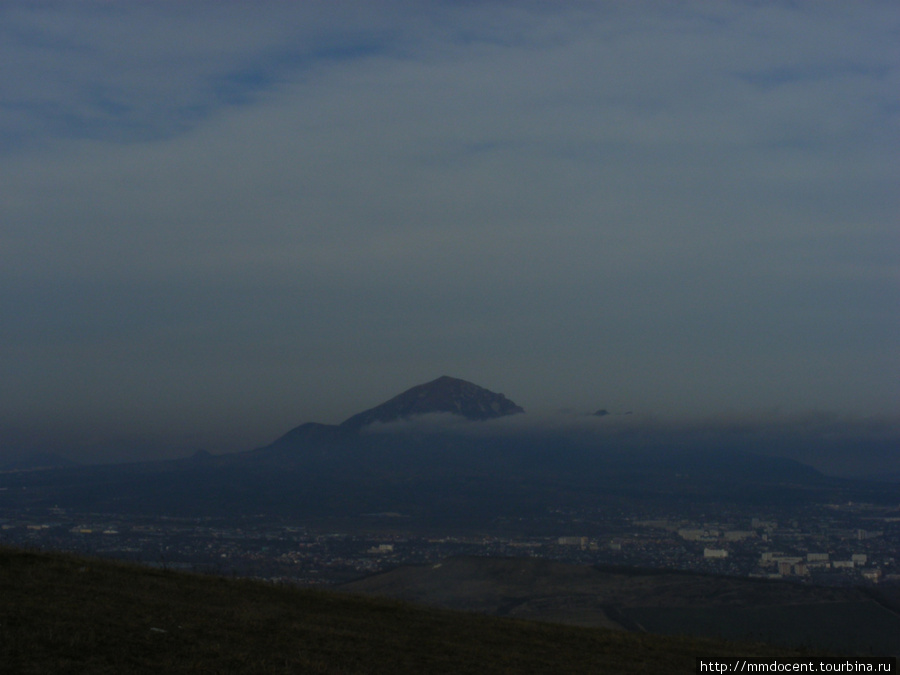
(382, 548)
(738, 535)
(715, 553)
(758, 523)
(790, 565)
(795, 567)
(859, 558)
(873, 575)
(573, 541)
(698, 535)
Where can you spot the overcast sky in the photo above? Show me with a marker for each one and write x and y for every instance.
(219, 220)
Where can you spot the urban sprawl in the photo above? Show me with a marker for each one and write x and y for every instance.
(827, 544)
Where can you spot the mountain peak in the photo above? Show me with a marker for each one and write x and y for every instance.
(443, 395)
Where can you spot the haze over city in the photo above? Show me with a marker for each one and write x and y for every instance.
(221, 220)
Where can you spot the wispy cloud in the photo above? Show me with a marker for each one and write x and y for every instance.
(140, 72)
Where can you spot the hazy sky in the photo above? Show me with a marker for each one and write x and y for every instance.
(222, 219)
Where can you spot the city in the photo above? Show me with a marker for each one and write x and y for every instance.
(825, 544)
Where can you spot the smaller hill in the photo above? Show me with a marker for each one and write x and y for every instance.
(66, 614)
(36, 461)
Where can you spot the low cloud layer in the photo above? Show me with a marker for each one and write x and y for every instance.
(833, 444)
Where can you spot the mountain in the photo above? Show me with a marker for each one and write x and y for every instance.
(463, 473)
(443, 395)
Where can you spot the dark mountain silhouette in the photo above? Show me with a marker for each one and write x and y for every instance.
(443, 395)
(466, 473)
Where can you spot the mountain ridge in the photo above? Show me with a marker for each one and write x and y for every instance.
(464, 473)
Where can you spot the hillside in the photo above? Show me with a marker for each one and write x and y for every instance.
(64, 614)
(845, 620)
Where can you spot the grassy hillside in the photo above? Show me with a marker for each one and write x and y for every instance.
(845, 620)
(64, 614)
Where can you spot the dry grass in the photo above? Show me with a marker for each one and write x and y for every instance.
(64, 614)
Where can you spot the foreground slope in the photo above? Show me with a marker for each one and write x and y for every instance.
(845, 620)
(62, 614)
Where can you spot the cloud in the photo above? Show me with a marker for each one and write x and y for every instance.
(136, 72)
(683, 208)
(838, 445)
